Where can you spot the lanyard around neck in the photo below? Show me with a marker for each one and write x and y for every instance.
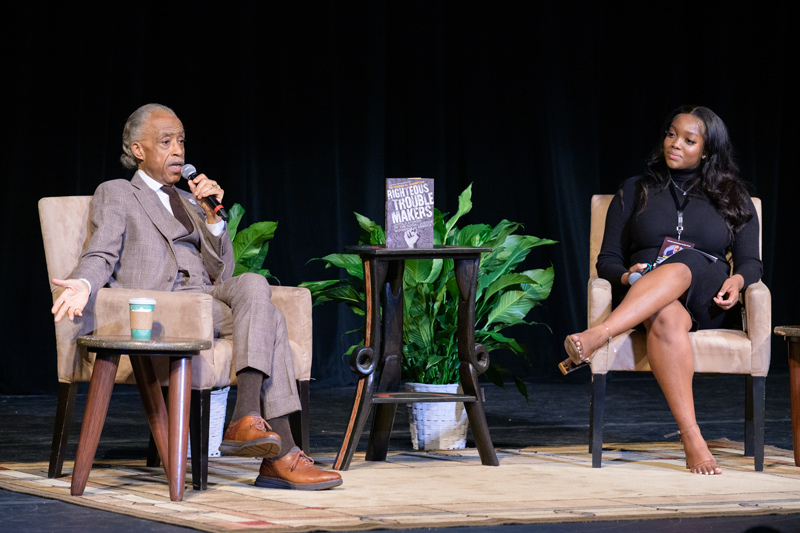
(679, 208)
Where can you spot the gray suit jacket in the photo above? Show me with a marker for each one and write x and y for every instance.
(130, 245)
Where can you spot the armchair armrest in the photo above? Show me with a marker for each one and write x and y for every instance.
(177, 314)
(758, 304)
(599, 297)
(295, 304)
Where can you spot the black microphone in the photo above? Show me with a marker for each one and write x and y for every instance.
(188, 172)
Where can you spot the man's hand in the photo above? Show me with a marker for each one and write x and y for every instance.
(202, 187)
(728, 294)
(72, 300)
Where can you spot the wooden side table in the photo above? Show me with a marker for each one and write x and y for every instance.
(792, 336)
(378, 364)
(170, 432)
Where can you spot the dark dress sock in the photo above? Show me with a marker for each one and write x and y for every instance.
(248, 396)
(280, 425)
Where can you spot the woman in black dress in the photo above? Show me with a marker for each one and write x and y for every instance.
(690, 175)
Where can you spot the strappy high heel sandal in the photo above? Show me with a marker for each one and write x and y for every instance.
(711, 464)
(575, 352)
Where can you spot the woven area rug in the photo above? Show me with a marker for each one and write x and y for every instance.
(552, 484)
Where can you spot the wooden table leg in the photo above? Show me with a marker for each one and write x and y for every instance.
(94, 416)
(180, 387)
(154, 406)
(374, 277)
(794, 388)
(467, 279)
(389, 362)
(362, 404)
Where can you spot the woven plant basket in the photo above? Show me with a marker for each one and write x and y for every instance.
(216, 421)
(437, 425)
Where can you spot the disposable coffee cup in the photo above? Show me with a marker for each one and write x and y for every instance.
(142, 310)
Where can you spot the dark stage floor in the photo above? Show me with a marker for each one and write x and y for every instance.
(557, 414)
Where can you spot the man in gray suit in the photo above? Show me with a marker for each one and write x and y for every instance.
(147, 234)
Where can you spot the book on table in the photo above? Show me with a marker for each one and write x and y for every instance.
(409, 213)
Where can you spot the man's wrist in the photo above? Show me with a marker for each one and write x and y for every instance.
(216, 228)
(88, 285)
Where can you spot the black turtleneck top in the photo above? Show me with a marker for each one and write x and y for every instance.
(632, 238)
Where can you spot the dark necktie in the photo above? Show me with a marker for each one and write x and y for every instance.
(177, 207)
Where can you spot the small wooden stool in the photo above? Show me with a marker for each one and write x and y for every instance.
(170, 432)
(792, 336)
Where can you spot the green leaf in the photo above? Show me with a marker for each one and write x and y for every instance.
(235, 215)
(464, 207)
(316, 286)
(267, 274)
(494, 376)
(249, 241)
(522, 388)
(350, 262)
(511, 308)
(506, 280)
(542, 282)
(419, 271)
(373, 229)
(498, 340)
(473, 235)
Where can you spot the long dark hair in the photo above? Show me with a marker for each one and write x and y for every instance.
(717, 176)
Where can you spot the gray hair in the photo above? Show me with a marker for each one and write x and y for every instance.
(133, 131)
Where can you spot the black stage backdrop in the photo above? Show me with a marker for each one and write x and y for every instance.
(301, 109)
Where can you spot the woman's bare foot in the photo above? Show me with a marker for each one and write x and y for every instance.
(584, 344)
(698, 457)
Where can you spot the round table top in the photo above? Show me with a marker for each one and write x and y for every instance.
(788, 331)
(154, 344)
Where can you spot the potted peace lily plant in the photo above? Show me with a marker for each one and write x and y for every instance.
(505, 297)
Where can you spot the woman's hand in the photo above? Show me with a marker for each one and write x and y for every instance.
(638, 267)
(728, 294)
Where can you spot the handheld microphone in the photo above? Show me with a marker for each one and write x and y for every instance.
(188, 172)
(633, 278)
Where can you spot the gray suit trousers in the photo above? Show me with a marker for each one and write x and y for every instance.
(244, 312)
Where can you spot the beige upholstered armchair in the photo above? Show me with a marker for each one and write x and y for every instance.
(65, 230)
(716, 351)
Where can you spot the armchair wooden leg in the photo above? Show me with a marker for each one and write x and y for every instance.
(199, 422)
(596, 414)
(755, 393)
(300, 420)
(66, 404)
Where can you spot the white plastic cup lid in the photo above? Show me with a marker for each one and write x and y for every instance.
(142, 301)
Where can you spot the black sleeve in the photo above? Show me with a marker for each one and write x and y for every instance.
(612, 261)
(745, 250)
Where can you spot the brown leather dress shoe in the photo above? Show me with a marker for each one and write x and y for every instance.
(295, 471)
(250, 437)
